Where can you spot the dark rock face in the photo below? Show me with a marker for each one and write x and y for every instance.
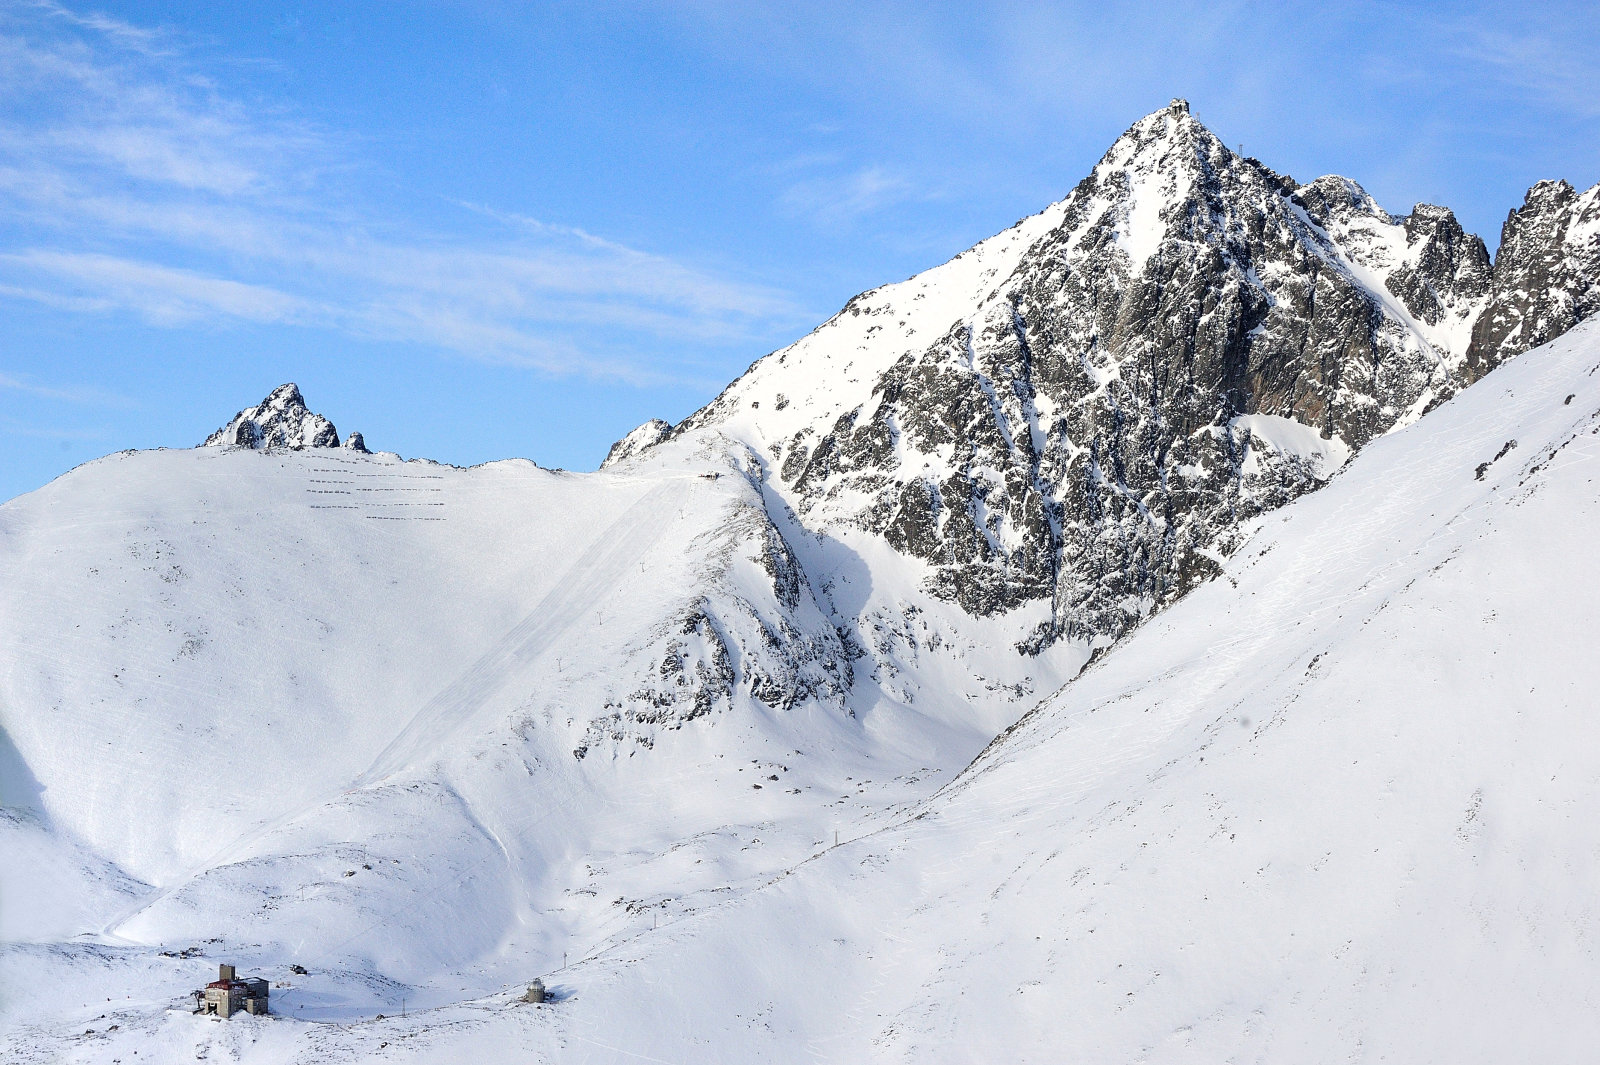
(1546, 275)
(1188, 340)
(1192, 339)
(281, 420)
(1450, 267)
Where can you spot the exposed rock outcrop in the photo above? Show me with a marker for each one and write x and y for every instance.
(647, 435)
(1086, 408)
(281, 420)
(1546, 274)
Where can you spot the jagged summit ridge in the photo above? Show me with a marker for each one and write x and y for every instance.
(1170, 184)
(1546, 276)
(1086, 408)
(282, 420)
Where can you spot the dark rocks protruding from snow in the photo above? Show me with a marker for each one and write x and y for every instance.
(647, 435)
(1191, 340)
(355, 442)
(1445, 266)
(1546, 274)
(280, 420)
(758, 632)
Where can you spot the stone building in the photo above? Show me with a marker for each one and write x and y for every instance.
(227, 995)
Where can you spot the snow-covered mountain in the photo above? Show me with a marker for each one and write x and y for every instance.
(1084, 410)
(282, 420)
(427, 732)
(1336, 806)
(1546, 275)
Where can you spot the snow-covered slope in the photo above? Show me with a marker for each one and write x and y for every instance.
(425, 730)
(428, 732)
(1335, 806)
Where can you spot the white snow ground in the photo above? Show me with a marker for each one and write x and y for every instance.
(321, 708)
(1338, 805)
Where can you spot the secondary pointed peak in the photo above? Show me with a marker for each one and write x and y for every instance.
(1333, 199)
(281, 420)
(645, 436)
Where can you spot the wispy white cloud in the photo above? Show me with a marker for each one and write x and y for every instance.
(93, 397)
(162, 294)
(843, 198)
(139, 38)
(130, 183)
(1552, 61)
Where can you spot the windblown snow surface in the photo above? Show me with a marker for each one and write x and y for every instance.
(1338, 804)
(1335, 806)
(427, 733)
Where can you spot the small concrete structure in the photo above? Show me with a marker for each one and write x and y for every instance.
(535, 992)
(227, 995)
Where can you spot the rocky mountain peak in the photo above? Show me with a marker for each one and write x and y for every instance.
(1152, 173)
(1172, 124)
(1549, 195)
(650, 433)
(1546, 276)
(1334, 200)
(1085, 409)
(281, 420)
(1154, 135)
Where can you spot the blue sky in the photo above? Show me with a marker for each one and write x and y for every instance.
(482, 230)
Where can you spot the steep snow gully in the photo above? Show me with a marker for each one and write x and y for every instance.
(1154, 635)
